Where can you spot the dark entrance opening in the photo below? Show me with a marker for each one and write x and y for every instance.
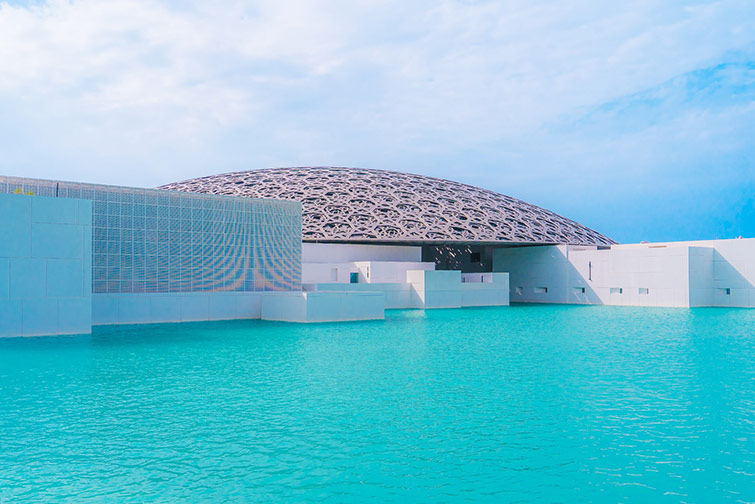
(466, 258)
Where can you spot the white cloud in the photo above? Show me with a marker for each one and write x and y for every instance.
(199, 88)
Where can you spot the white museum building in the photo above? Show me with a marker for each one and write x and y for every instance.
(322, 244)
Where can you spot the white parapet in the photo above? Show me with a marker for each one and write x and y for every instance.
(323, 306)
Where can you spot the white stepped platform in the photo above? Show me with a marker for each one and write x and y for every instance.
(323, 306)
(425, 289)
(397, 295)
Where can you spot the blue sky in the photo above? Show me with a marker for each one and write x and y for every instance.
(635, 118)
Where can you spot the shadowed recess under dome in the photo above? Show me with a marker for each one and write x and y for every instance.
(376, 206)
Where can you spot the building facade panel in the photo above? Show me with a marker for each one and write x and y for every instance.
(153, 241)
(43, 266)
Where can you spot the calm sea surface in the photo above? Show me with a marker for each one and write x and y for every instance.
(520, 404)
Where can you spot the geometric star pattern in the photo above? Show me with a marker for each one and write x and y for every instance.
(363, 205)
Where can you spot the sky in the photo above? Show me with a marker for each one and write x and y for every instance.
(635, 118)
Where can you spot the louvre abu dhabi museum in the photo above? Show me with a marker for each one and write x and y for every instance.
(322, 244)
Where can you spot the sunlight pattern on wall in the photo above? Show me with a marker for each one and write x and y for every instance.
(147, 240)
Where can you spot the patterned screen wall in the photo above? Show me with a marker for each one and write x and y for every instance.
(147, 240)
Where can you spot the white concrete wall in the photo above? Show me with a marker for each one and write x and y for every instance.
(428, 289)
(733, 269)
(702, 273)
(493, 292)
(368, 271)
(536, 274)
(435, 289)
(442, 289)
(45, 266)
(477, 277)
(327, 272)
(397, 295)
(701, 290)
(639, 277)
(306, 307)
(174, 307)
(346, 252)
(353, 303)
(388, 271)
(585, 275)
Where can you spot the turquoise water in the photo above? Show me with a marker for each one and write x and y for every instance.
(520, 404)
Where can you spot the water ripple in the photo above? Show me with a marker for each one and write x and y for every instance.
(520, 404)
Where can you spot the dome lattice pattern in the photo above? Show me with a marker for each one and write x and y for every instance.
(361, 205)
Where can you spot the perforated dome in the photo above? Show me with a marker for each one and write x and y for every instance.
(361, 205)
